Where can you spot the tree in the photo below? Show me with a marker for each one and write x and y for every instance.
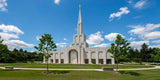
(46, 44)
(155, 55)
(144, 52)
(1, 40)
(119, 48)
(4, 52)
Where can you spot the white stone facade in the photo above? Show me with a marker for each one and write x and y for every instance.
(79, 52)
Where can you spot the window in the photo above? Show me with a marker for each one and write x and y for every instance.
(86, 61)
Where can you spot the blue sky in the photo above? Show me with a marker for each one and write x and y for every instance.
(22, 22)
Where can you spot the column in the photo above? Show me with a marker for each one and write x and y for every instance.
(66, 57)
(79, 56)
(112, 61)
(49, 60)
(105, 57)
(82, 56)
(97, 57)
(44, 59)
(54, 58)
(59, 59)
(89, 55)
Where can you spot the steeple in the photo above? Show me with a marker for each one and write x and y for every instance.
(79, 38)
(79, 22)
(80, 19)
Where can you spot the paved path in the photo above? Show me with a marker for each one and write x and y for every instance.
(156, 67)
(57, 69)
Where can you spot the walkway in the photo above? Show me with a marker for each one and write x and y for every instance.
(156, 67)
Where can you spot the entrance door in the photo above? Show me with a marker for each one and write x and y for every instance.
(73, 57)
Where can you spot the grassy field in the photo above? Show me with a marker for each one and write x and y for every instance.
(79, 75)
(70, 66)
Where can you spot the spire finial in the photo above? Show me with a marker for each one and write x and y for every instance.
(79, 6)
(80, 21)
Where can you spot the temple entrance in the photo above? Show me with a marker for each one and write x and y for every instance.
(73, 57)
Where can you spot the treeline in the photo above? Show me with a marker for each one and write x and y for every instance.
(7, 56)
(145, 54)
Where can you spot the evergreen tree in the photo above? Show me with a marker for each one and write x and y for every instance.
(144, 52)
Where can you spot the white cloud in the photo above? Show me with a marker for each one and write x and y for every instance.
(131, 39)
(130, 1)
(10, 28)
(112, 36)
(102, 45)
(140, 4)
(95, 38)
(9, 32)
(153, 35)
(3, 5)
(62, 44)
(65, 39)
(17, 43)
(137, 17)
(155, 46)
(138, 44)
(38, 37)
(32, 51)
(7, 36)
(57, 1)
(156, 41)
(123, 10)
(145, 31)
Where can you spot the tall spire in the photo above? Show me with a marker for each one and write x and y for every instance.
(79, 21)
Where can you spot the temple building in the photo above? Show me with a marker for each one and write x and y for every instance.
(79, 52)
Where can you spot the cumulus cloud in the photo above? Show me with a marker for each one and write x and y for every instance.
(145, 31)
(155, 46)
(7, 36)
(10, 29)
(138, 44)
(130, 1)
(131, 39)
(9, 32)
(156, 41)
(153, 35)
(17, 43)
(95, 38)
(57, 1)
(3, 5)
(37, 38)
(140, 4)
(62, 44)
(102, 45)
(65, 39)
(123, 10)
(112, 36)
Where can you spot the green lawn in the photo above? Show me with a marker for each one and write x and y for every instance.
(70, 66)
(79, 75)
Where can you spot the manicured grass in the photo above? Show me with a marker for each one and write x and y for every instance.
(79, 75)
(70, 66)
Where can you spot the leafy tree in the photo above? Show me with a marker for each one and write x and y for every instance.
(46, 44)
(119, 48)
(15, 50)
(4, 52)
(131, 54)
(1, 40)
(155, 55)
